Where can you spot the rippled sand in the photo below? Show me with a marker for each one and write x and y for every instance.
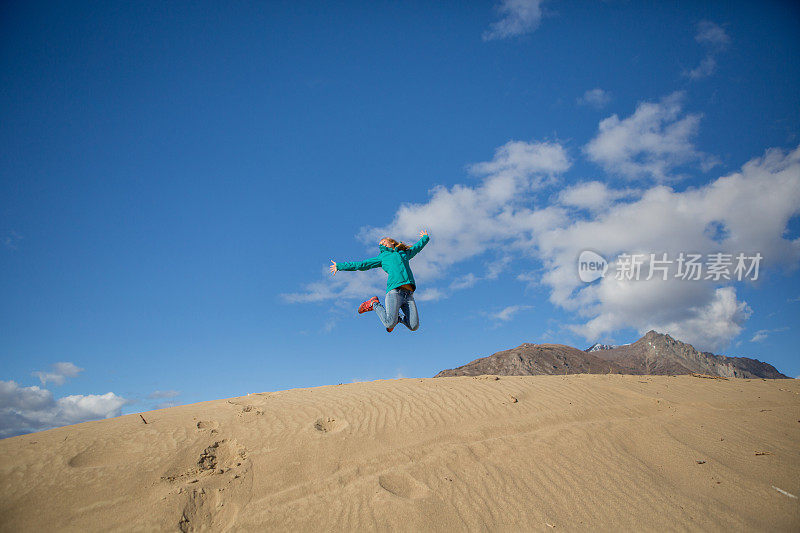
(577, 452)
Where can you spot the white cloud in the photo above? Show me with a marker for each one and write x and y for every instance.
(329, 324)
(464, 282)
(507, 313)
(530, 278)
(344, 285)
(592, 195)
(429, 294)
(597, 98)
(651, 143)
(711, 34)
(665, 221)
(163, 394)
(463, 221)
(466, 221)
(715, 40)
(517, 17)
(12, 396)
(27, 409)
(80, 408)
(495, 267)
(493, 270)
(711, 325)
(520, 161)
(706, 68)
(763, 334)
(59, 372)
(503, 215)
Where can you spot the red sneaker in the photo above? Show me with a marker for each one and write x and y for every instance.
(367, 306)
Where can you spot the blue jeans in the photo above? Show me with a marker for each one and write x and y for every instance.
(397, 299)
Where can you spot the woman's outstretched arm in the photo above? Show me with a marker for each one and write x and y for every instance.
(373, 262)
(414, 250)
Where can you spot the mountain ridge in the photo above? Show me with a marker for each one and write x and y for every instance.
(653, 354)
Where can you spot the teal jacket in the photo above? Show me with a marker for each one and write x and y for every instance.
(393, 262)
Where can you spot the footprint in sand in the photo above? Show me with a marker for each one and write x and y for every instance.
(101, 454)
(208, 424)
(248, 411)
(86, 458)
(329, 425)
(221, 457)
(402, 485)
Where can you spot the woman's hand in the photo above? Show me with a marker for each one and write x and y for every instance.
(333, 267)
(422, 233)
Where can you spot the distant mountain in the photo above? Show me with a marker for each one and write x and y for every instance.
(597, 347)
(533, 359)
(655, 353)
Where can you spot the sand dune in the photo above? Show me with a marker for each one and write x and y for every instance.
(526, 453)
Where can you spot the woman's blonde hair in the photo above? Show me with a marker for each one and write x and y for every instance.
(395, 244)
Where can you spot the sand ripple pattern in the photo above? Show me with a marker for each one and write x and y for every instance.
(577, 452)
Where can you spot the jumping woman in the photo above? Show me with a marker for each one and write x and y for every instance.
(393, 259)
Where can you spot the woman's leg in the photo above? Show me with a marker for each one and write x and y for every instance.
(388, 314)
(411, 318)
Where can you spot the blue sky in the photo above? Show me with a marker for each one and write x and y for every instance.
(175, 178)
